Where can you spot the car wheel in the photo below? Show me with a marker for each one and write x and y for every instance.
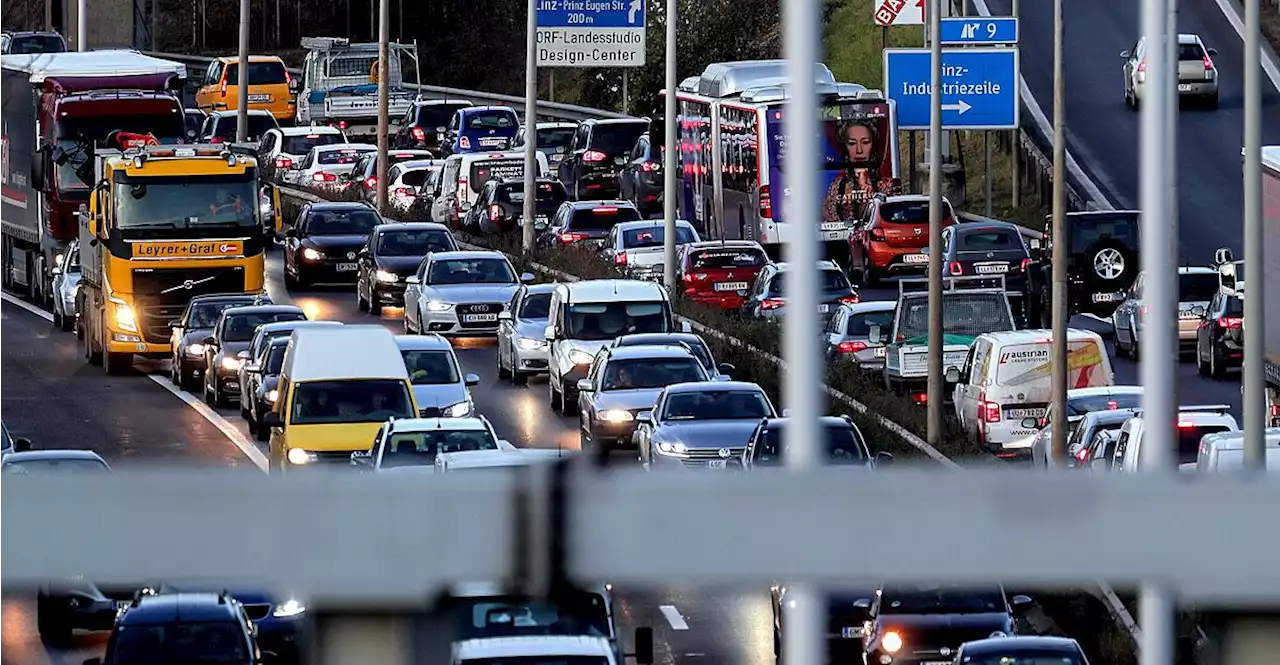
(52, 622)
(1202, 367)
(290, 282)
(175, 372)
(361, 303)
(556, 399)
(66, 322)
(1216, 371)
(502, 369)
(568, 403)
(375, 305)
(57, 319)
(261, 433)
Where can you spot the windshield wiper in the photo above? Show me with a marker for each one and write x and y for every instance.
(149, 225)
(222, 224)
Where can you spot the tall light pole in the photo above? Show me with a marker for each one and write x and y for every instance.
(384, 89)
(936, 384)
(82, 25)
(530, 126)
(669, 140)
(1255, 404)
(1059, 241)
(242, 76)
(1015, 152)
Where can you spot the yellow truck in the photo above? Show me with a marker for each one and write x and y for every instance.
(165, 223)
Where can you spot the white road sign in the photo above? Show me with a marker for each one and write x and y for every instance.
(899, 12)
(591, 33)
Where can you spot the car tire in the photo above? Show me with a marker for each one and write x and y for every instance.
(568, 403)
(57, 320)
(503, 373)
(175, 372)
(67, 323)
(361, 303)
(868, 277)
(1202, 367)
(52, 622)
(555, 399)
(1216, 371)
(262, 434)
(375, 305)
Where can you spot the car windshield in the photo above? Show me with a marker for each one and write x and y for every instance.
(495, 119)
(933, 599)
(844, 447)
(421, 448)
(1189, 440)
(76, 465)
(1014, 656)
(552, 193)
(719, 259)
(355, 221)
(988, 240)
(1197, 288)
(471, 271)
(607, 320)
(602, 218)
(415, 177)
(828, 280)
(259, 123)
(655, 236)
(909, 212)
(962, 314)
(179, 202)
(860, 323)
(76, 136)
(352, 401)
(555, 138)
(717, 405)
(205, 315)
(275, 360)
(616, 138)
(340, 156)
(180, 642)
(649, 373)
(416, 242)
(536, 306)
(302, 144)
(37, 44)
(240, 327)
(538, 660)
(431, 368)
(504, 616)
(1078, 406)
(260, 73)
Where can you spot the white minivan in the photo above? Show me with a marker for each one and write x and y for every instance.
(1224, 452)
(1007, 378)
(462, 178)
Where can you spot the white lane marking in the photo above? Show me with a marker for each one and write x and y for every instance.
(673, 617)
(1237, 23)
(249, 448)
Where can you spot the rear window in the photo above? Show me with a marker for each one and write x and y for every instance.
(415, 178)
(1088, 229)
(1189, 440)
(394, 158)
(496, 119)
(359, 65)
(301, 145)
(602, 218)
(844, 446)
(438, 115)
(348, 156)
(1078, 406)
(1190, 52)
(483, 171)
(860, 323)
(260, 73)
(986, 241)
(909, 212)
(548, 192)
(258, 125)
(828, 280)
(554, 138)
(37, 44)
(1235, 306)
(615, 139)
(726, 258)
(1197, 288)
(654, 236)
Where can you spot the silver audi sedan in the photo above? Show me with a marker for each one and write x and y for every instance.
(460, 293)
(522, 351)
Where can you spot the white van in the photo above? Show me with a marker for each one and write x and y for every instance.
(1224, 452)
(1194, 423)
(1007, 378)
(462, 178)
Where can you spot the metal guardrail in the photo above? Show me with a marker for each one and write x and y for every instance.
(547, 111)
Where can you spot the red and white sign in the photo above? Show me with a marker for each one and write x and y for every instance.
(899, 12)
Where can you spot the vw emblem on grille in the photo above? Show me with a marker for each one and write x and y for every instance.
(725, 453)
(944, 651)
(351, 255)
(991, 255)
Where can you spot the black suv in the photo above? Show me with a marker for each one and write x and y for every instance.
(590, 221)
(599, 150)
(1102, 263)
(183, 628)
(500, 206)
(323, 242)
(988, 249)
(641, 180)
(393, 254)
(421, 127)
(844, 442)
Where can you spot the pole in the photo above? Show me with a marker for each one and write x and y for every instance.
(1015, 152)
(670, 140)
(911, 140)
(1058, 443)
(551, 85)
(384, 89)
(155, 24)
(986, 168)
(279, 21)
(936, 384)
(82, 25)
(1156, 608)
(1255, 405)
(373, 19)
(242, 66)
(626, 94)
(48, 15)
(400, 16)
(530, 126)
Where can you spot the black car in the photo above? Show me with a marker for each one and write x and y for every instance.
(845, 445)
(692, 341)
(186, 368)
(578, 221)
(640, 181)
(500, 206)
(323, 242)
(1023, 649)
(267, 367)
(994, 249)
(917, 623)
(393, 253)
(228, 346)
(14, 43)
(194, 120)
(220, 126)
(1220, 337)
(599, 150)
(1102, 263)
(182, 627)
(421, 127)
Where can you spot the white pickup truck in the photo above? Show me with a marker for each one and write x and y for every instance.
(966, 313)
(340, 85)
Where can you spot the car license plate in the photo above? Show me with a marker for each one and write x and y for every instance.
(346, 267)
(540, 222)
(851, 632)
(259, 98)
(121, 604)
(620, 161)
(834, 235)
(493, 141)
(718, 464)
(833, 226)
(993, 269)
(823, 309)
(479, 318)
(730, 286)
(1108, 297)
(880, 352)
(915, 258)
(1184, 87)
(1018, 414)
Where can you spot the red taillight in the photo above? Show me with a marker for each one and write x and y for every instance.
(850, 299)
(1230, 322)
(215, 139)
(323, 176)
(851, 347)
(651, 166)
(592, 156)
(989, 412)
(877, 233)
(1082, 455)
(1142, 311)
(1142, 66)
(920, 398)
(495, 212)
(1208, 64)
(1026, 263)
(570, 238)
(370, 182)
(404, 192)
(955, 268)
(1275, 410)
(766, 202)
(620, 259)
(283, 162)
(1182, 424)
(342, 124)
(288, 80)
(772, 303)
(604, 210)
(689, 278)
(462, 184)
(418, 134)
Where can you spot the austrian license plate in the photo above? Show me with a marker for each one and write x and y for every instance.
(1108, 297)
(493, 141)
(346, 267)
(479, 318)
(851, 632)
(833, 226)
(730, 286)
(993, 269)
(1184, 87)
(823, 309)
(718, 464)
(880, 352)
(259, 98)
(915, 259)
(540, 222)
(1018, 414)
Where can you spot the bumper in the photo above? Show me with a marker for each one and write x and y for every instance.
(228, 381)
(721, 300)
(614, 435)
(447, 323)
(390, 294)
(326, 270)
(1185, 89)
(662, 461)
(894, 259)
(1186, 332)
(530, 360)
(131, 342)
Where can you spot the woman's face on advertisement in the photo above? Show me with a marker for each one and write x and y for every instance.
(857, 141)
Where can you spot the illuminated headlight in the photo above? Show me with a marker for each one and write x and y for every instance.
(581, 357)
(673, 448)
(312, 254)
(616, 416)
(271, 396)
(528, 343)
(196, 349)
(891, 642)
(998, 633)
(289, 608)
(384, 276)
(299, 456)
(439, 306)
(58, 259)
(459, 410)
(230, 364)
(125, 318)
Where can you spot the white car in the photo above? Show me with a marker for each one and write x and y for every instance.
(405, 180)
(1197, 75)
(439, 386)
(66, 279)
(324, 165)
(1196, 287)
(1194, 422)
(545, 649)
(640, 247)
(283, 147)
(411, 444)
(522, 349)
(460, 293)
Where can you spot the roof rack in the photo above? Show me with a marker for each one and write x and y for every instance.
(949, 283)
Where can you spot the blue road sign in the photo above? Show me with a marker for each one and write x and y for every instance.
(979, 87)
(591, 13)
(979, 30)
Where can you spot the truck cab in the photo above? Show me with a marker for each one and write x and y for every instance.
(340, 85)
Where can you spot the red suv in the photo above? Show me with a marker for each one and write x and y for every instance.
(892, 236)
(720, 272)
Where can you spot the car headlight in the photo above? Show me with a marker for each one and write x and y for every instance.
(384, 276)
(312, 254)
(271, 396)
(459, 410)
(616, 416)
(580, 357)
(196, 349)
(439, 306)
(891, 642)
(528, 343)
(126, 319)
(299, 456)
(288, 608)
(230, 363)
(673, 448)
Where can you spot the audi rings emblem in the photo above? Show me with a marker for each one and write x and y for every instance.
(944, 652)
(479, 308)
(1108, 263)
(725, 453)
(351, 255)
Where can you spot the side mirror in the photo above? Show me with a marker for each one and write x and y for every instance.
(243, 355)
(952, 375)
(644, 646)
(645, 417)
(505, 316)
(586, 386)
(471, 379)
(786, 413)
(253, 368)
(549, 334)
(1224, 255)
(726, 368)
(883, 460)
(1211, 51)
(1021, 603)
(56, 270)
(294, 85)
(21, 444)
(875, 335)
(1124, 55)
(362, 458)
(862, 603)
(272, 419)
(412, 279)
(208, 341)
(685, 326)
(176, 324)
(527, 277)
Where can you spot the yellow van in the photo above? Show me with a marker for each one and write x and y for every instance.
(338, 386)
(270, 87)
